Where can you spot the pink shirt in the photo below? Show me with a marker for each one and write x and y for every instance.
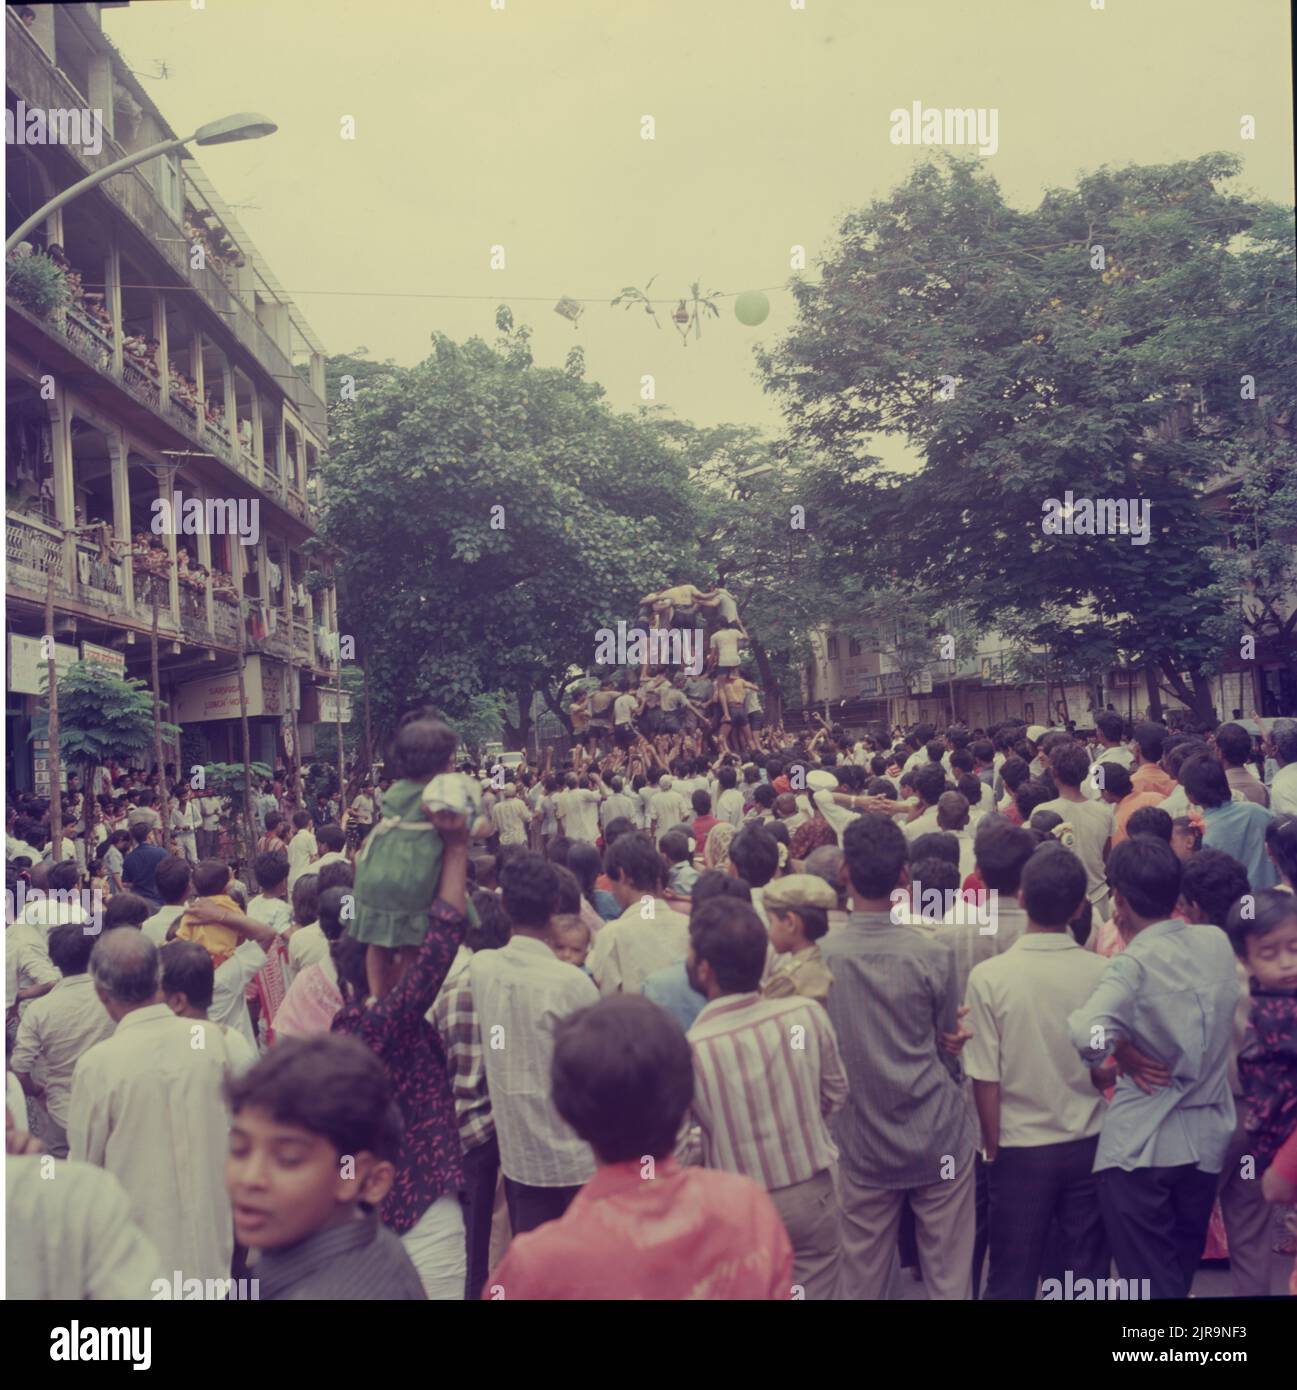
(687, 1233)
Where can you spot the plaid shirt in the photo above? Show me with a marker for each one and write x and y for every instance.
(461, 1037)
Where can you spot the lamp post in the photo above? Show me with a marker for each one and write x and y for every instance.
(245, 125)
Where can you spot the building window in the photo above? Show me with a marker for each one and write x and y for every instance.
(853, 647)
(170, 189)
(833, 648)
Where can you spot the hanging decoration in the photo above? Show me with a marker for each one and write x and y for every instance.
(751, 308)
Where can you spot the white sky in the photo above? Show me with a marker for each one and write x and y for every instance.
(522, 127)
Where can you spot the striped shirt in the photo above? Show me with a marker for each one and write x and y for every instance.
(767, 1078)
(518, 993)
(894, 991)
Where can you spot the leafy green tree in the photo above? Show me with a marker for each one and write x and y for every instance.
(1095, 344)
(103, 718)
(491, 516)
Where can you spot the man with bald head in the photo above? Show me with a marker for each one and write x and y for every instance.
(148, 1105)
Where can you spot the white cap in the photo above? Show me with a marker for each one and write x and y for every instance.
(821, 780)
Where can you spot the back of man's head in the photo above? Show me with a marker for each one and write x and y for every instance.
(728, 935)
(529, 890)
(1147, 874)
(1234, 744)
(172, 879)
(124, 965)
(754, 853)
(1053, 886)
(875, 853)
(929, 783)
(622, 1077)
(1000, 850)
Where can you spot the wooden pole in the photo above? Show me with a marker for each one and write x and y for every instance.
(248, 828)
(369, 730)
(52, 739)
(164, 801)
(294, 685)
(342, 772)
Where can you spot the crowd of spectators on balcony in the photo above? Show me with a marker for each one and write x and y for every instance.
(219, 251)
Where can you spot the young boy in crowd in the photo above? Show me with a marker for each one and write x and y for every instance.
(681, 874)
(212, 879)
(798, 907)
(623, 1078)
(570, 939)
(313, 1141)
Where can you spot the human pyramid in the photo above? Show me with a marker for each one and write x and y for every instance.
(651, 714)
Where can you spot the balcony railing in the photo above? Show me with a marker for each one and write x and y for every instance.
(100, 579)
(187, 412)
(150, 588)
(32, 550)
(302, 645)
(193, 611)
(142, 383)
(225, 620)
(86, 336)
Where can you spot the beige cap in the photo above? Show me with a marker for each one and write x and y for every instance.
(799, 890)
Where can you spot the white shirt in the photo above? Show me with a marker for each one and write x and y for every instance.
(149, 1106)
(1119, 754)
(72, 1235)
(1019, 1004)
(921, 825)
(631, 947)
(729, 806)
(725, 644)
(302, 848)
(521, 989)
(619, 804)
(157, 926)
(27, 945)
(1283, 790)
(580, 809)
(229, 1006)
(1093, 823)
(307, 946)
(667, 810)
(334, 856)
(623, 709)
(274, 913)
(209, 808)
(54, 1032)
(511, 818)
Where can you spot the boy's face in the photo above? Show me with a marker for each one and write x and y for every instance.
(1272, 958)
(1182, 842)
(285, 1182)
(784, 931)
(572, 944)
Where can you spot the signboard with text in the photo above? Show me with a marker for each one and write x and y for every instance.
(29, 666)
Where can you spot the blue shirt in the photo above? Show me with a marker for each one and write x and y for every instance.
(1238, 828)
(138, 869)
(670, 988)
(1172, 992)
(606, 905)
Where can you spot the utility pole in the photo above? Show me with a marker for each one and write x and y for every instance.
(248, 828)
(52, 739)
(164, 801)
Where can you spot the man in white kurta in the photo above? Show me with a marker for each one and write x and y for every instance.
(148, 1105)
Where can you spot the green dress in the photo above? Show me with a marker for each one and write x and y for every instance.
(397, 872)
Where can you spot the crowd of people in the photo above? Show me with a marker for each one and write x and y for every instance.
(692, 1016)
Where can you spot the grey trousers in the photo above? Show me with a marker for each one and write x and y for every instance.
(1247, 1215)
(809, 1211)
(946, 1227)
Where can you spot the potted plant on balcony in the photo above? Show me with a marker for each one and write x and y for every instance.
(36, 283)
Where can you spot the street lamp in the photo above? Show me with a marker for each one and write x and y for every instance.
(246, 125)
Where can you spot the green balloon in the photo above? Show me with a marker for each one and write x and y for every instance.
(751, 308)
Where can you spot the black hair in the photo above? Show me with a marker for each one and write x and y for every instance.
(875, 852)
(187, 967)
(622, 1076)
(615, 829)
(1281, 841)
(1150, 739)
(1069, 762)
(172, 879)
(929, 783)
(1147, 874)
(69, 948)
(1000, 849)
(716, 883)
(1213, 881)
(301, 819)
(1053, 884)
(1014, 772)
(936, 844)
(1258, 914)
(339, 874)
(675, 846)
(1030, 794)
(273, 821)
(1116, 779)
(881, 786)
(270, 868)
(702, 802)
(635, 858)
(306, 899)
(1234, 743)
(63, 876)
(929, 874)
(1150, 820)
(982, 749)
(529, 890)
(329, 908)
(422, 748)
(140, 831)
(1204, 781)
(961, 760)
(727, 778)
(211, 876)
(493, 928)
(971, 788)
(1110, 724)
(558, 849)
(333, 1086)
(331, 838)
(730, 937)
(755, 854)
(126, 910)
(584, 861)
(763, 794)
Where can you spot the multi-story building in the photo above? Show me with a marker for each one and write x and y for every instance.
(176, 365)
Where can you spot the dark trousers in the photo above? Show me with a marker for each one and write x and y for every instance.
(1030, 1189)
(481, 1165)
(530, 1207)
(1156, 1220)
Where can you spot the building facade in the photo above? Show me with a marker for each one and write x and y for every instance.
(164, 424)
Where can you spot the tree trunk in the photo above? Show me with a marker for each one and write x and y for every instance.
(774, 695)
(164, 801)
(369, 728)
(1154, 694)
(524, 717)
(52, 766)
(249, 829)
